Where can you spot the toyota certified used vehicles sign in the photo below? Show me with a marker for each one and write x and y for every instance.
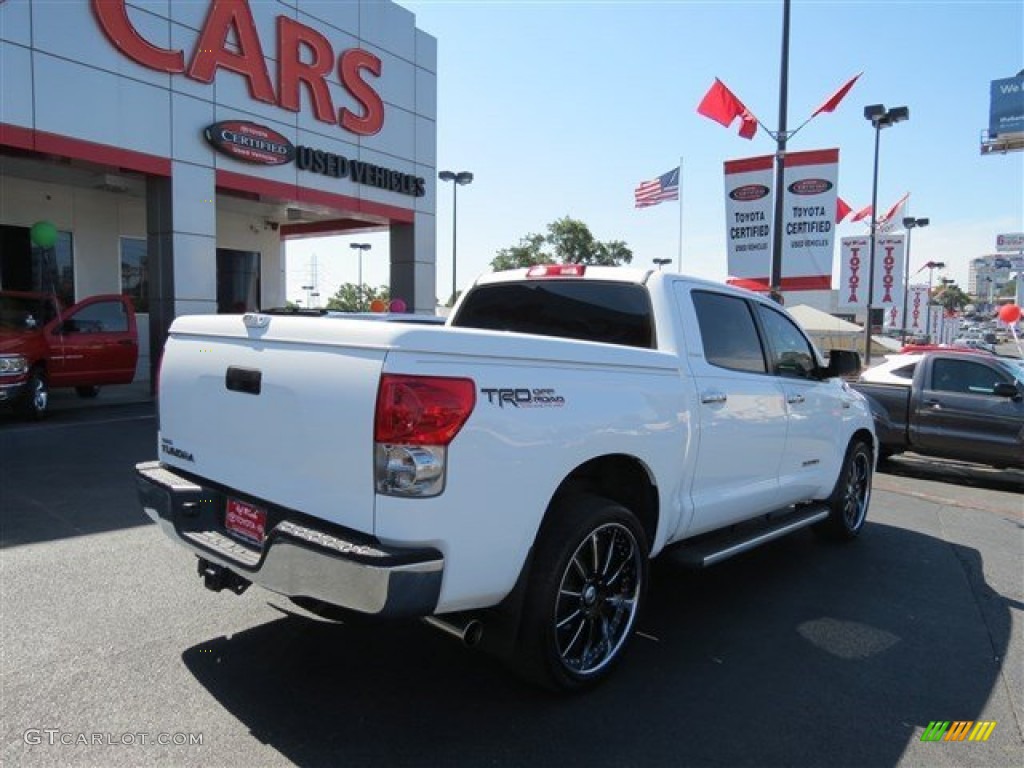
(250, 142)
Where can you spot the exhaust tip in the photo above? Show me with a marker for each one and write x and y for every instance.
(469, 630)
(473, 633)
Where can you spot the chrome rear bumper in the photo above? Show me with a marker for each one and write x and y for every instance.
(301, 556)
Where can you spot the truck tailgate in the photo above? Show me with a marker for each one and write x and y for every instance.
(284, 411)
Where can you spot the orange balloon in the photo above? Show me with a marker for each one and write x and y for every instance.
(1009, 313)
(378, 305)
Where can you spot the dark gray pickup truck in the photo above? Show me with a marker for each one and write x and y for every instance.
(957, 406)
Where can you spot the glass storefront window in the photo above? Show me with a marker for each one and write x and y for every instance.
(26, 267)
(238, 281)
(135, 272)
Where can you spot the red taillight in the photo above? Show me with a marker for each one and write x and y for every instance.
(422, 410)
(557, 270)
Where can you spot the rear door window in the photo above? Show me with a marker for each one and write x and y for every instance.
(588, 310)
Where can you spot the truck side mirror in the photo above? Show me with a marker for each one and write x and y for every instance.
(1007, 389)
(843, 363)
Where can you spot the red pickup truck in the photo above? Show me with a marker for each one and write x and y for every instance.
(42, 345)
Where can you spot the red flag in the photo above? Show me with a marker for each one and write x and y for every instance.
(833, 101)
(863, 213)
(893, 218)
(842, 209)
(722, 106)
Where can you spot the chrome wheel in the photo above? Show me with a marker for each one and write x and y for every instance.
(36, 396)
(857, 491)
(848, 504)
(40, 397)
(598, 598)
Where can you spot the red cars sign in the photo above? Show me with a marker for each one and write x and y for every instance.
(229, 39)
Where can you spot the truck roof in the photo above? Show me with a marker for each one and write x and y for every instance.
(637, 275)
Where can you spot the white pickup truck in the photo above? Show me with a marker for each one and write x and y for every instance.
(506, 477)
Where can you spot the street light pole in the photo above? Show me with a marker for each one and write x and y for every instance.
(909, 222)
(775, 279)
(359, 291)
(880, 118)
(459, 178)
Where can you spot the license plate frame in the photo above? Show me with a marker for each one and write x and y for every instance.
(245, 521)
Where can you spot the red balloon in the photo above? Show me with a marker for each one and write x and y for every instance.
(378, 305)
(1009, 313)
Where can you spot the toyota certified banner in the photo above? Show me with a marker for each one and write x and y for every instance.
(748, 217)
(854, 258)
(809, 217)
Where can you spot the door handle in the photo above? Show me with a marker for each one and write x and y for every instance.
(935, 405)
(126, 343)
(795, 399)
(713, 397)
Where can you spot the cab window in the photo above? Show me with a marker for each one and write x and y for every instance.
(101, 317)
(792, 354)
(728, 332)
(964, 377)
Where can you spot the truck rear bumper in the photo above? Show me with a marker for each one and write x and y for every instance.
(300, 556)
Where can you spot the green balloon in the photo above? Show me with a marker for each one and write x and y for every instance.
(43, 234)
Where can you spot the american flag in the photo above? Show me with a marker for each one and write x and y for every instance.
(665, 187)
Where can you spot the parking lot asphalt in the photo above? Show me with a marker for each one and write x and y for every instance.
(799, 654)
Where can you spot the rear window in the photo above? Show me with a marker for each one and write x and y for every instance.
(588, 310)
(905, 372)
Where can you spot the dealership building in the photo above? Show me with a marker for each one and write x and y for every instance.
(175, 147)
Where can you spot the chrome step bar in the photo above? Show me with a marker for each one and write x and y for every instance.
(718, 547)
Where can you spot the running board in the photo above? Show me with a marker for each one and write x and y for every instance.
(703, 551)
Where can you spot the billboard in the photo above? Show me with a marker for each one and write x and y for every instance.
(748, 217)
(809, 216)
(1009, 242)
(1006, 108)
(916, 305)
(808, 219)
(854, 258)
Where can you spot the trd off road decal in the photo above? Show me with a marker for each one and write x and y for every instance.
(522, 397)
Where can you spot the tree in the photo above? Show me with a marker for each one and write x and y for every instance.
(354, 298)
(951, 297)
(526, 254)
(568, 241)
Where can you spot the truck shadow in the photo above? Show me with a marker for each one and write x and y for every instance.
(957, 472)
(797, 654)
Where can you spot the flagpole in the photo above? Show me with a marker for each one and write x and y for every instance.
(679, 267)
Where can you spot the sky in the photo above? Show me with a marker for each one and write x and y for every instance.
(563, 108)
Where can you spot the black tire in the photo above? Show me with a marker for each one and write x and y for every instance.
(36, 398)
(585, 591)
(87, 392)
(848, 504)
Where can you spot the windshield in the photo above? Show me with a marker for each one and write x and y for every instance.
(24, 313)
